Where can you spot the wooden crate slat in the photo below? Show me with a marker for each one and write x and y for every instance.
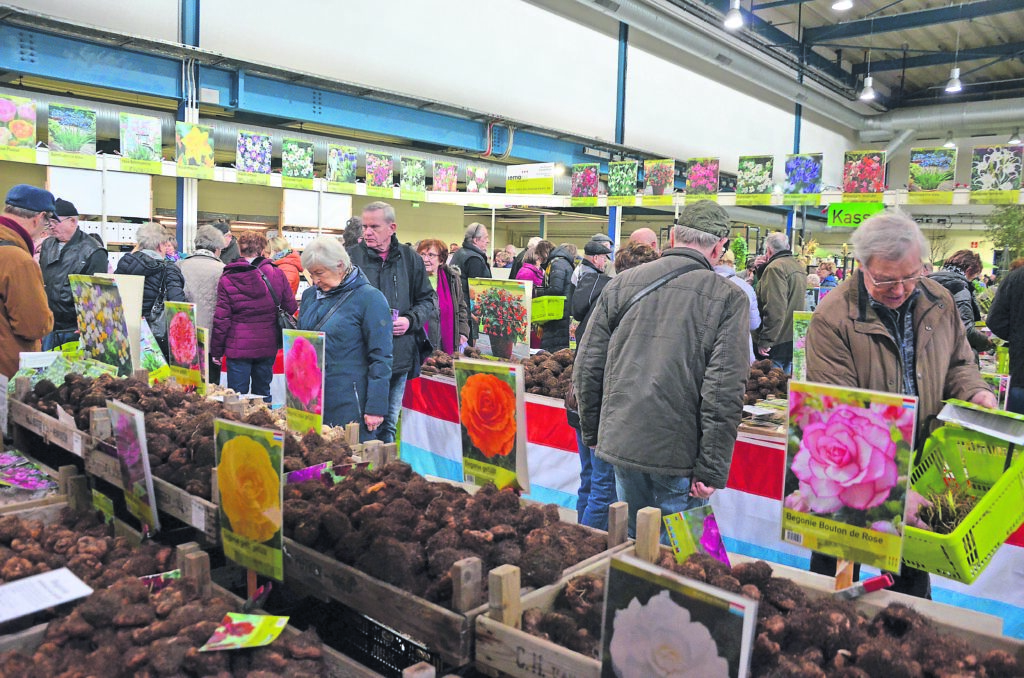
(192, 510)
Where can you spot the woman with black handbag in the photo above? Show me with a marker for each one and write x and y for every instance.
(253, 300)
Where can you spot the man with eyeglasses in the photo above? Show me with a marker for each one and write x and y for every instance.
(70, 251)
(888, 328)
(24, 316)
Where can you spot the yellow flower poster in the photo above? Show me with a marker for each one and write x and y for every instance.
(193, 150)
(492, 413)
(249, 467)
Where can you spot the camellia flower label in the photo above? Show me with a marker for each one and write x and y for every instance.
(186, 363)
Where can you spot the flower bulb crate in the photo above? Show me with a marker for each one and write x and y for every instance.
(544, 309)
(975, 460)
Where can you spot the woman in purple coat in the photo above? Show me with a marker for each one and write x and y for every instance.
(245, 329)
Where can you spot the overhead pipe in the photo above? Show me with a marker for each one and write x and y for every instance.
(979, 116)
(899, 141)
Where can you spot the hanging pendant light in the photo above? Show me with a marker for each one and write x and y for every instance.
(868, 93)
(842, 5)
(733, 18)
(954, 85)
(1015, 137)
(949, 143)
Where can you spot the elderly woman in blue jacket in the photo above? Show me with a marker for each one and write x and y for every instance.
(356, 320)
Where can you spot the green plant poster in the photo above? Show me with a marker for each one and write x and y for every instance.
(659, 179)
(995, 174)
(585, 179)
(193, 150)
(72, 139)
(297, 164)
(931, 176)
(754, 180)
(413, 185)
(380, 177)
(17, 129)
(803, 179)
(304, 365)
(863, 176)
(141, 139)
(446, 177)
(622, 176)
(253, 153)
(342, 163)
(702, 180)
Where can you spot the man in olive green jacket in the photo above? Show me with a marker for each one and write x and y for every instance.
(781, 290)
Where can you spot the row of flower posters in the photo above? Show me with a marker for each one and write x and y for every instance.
(754, 180)
(250, 461)
(622, 176)
(492, 416)
(501, 309)
(129, 427)
(304, 365)
(446, 176)
(297, 164)
(253, 153)
(847, 468)
(141, 144)
(585, 180)
(17, 129)
(659, 623)
(342, 164)
(995, 174)
(803, 179)
(702, 180)
(186, 364)
(72, 136)
(659, 178)
(931, 176)
(193, 150)
(102, 324)
(413, 185)
(380, 178)
(863, 176)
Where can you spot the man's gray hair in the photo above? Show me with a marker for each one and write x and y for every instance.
(151, 235)
(327, 251)
(20, 212)
(209, 237)
(888, 235)
(685, 235)
(777, 242)
(474, 231)
(381, 206)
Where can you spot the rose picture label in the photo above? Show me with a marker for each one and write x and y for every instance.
(304, 365)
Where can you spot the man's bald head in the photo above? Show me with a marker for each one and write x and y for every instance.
(645, 236)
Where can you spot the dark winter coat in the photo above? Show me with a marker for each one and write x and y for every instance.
(82, 255)
(957, 284)
(472, 262)
(245, 321)
(358, 350)
(559, 269)
(781, 290)
(140, 263)
(584, 297)
(405, 284)
(230, 253)
(1006, 320)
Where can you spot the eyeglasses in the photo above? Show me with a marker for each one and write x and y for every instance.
(430, 255)
(889, 284)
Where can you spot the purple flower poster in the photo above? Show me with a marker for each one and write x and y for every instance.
(863, 176)
(101, 321)
(342, 163)
(141, 139)
(695, 531)
(446, 176)
(129, 426)
(252, 158)
(304, 380)
(846, 472)
(803, 179)
(702, 180)
(585, 179)
(380, 176)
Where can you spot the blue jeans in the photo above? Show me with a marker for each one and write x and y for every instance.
(671, 494)
(389, 428)
(58, 338)
(1015, 403)
(243, 372)
(597, 487)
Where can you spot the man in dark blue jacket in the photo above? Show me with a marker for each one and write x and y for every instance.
(397, 271)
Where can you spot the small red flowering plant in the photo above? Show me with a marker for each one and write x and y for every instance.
(502, 313)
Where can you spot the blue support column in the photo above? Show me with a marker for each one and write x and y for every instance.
(188, 34)
(620, 87)
(614, 225)
(798, 114)
(543, 226)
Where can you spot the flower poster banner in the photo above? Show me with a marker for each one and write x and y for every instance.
(413, 185)
(304, 380)
(380, 177)
(502, 310)
(995, 174)
(186, 362)
(931, 176)
(801, 321)
(249, 469)
(695, 531)
(72, 136)
(141, 144)
(659, 623)
(622, 176)
(863, 176)
(446, 176)
(659, 179)
(476, 179)
(847, 465)
(238, 631)
(253, 153)
(17, 129)
(492, 415)
(803, 179)
(585, 179)
(102, 327)
(129, 427)
(297, 164)
(193, 150)
(342, 163)
(754, 180)
(702, 180)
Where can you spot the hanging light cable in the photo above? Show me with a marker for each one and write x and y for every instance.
(733, 18)
(954, 85)
(868, 93)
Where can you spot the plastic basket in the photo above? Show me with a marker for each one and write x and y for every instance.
(547, 308)
(966, 455)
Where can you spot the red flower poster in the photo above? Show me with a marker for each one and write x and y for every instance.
(186, 361)
(304, 380)
(501, 310)
(492, 413)
(863, 176)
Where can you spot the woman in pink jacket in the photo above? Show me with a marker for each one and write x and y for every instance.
(531, 271)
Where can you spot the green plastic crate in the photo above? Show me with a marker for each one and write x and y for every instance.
(547, 308)
(964, 553)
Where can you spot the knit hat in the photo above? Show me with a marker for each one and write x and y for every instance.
(30, 198)
(595, 246)
(706, 216)
(65, 208)
(222, 225)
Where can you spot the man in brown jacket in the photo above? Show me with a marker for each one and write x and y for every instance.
(25, 317)
(888, 328)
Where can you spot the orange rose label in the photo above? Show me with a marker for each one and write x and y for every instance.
(488, 411)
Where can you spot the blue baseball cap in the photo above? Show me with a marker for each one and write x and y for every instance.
(31, 198)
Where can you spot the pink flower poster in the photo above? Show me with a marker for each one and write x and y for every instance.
(585, 179)
(304, 380)
(846, 477)
(380, 175)
(129, 428)
(695, 531)
(17, 129)
(702, 180)
(863, 176)
(183, 343)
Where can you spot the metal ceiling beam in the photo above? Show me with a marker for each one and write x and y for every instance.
(937, 58)
(776, 3)
(906, 20)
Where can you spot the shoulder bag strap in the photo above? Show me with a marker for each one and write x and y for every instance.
(671, 275)
(273, 295)
(337, 305)
(8, 243)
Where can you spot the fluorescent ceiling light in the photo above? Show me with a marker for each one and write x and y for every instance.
(842, 5)
(1015, 137)
(954, 86)
(868, 93)
(949, 143)
(733, 18)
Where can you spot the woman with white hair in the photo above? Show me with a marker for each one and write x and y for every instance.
(356, 320)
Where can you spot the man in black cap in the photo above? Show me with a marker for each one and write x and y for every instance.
(669, 339)
(230, 251)
(24, 315)
(69, 251)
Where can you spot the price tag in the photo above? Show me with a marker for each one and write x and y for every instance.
(40, 591)
(76, 444)
(198, 516)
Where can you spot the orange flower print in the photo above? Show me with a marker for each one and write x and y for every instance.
(489, 414)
